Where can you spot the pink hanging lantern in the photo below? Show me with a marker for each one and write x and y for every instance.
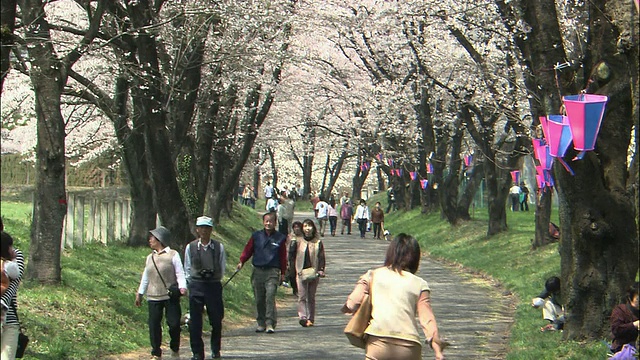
(515, 176)
(379, 157)
(467, 160)
(541, 151)
(424, 183)
(414, 175)
(429, 169)
(559, 135)
(559, 138)
(540, 181)
(585, 112)
(545, 126)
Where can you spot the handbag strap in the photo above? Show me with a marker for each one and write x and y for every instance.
(371, 287)
(156, 266)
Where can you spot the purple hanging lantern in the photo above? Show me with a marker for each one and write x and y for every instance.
(429, 169)
(414, 175)
(540, 181)
(424, 183)
(559, 138)
(541, 151)
(585, 112)
(515, 176)
(559, 135)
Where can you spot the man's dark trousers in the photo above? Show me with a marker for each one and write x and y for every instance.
(207, 294)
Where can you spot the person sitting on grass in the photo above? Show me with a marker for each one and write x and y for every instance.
(624, 321)
(549, 300)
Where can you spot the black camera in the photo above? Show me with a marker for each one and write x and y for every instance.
(206, 273)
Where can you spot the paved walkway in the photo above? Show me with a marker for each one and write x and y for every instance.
(471, 314)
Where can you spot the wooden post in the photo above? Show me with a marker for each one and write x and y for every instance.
(69, 222)
(91, 221)
(104, 215)
(117, 220)
(126, 214)
(111, 221)
(78, 231)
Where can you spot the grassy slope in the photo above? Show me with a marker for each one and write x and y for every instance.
(92, 313)
(509, 259)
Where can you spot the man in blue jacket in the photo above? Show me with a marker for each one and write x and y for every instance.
(267, 247)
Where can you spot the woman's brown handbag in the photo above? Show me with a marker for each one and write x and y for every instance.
(360, 320)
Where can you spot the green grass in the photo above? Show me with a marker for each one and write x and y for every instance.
(91, 314)
(508, 258)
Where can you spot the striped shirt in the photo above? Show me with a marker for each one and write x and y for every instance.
(10, 297)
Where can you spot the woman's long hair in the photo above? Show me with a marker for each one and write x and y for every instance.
(314, 233)
(403, 254)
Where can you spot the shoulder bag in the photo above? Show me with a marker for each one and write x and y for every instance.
(360, 320)
(23, 341)
(308, 274)
(173, 291)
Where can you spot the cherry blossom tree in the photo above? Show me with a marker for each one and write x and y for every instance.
(49, 72)
(598, 207)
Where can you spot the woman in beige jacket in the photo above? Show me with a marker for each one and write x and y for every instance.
(397, 297)
(308, 252)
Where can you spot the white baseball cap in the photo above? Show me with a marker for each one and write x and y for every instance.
(204, 221)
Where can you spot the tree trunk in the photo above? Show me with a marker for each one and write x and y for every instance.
(307, 167)
(131, 141)
(497, 192)
(7, 26)
(50, 204)
(599, 239)
(448, 189)
(381, 184)
(358, 182)
(475, 176)
(325, 174)
(274, 168)
(336, 169)
(543, 218)
(149, 100)
(596, 210)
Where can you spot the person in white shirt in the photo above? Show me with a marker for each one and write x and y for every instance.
(272, 204)
(268, 191)
(163, 269)
(362, 217)
(322, 214)
(514, 194)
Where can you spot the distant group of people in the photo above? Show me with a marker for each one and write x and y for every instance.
(519, 196)
(247, 194)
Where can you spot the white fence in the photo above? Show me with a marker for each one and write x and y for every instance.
(95, 220)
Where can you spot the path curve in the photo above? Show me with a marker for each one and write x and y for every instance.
(472, 314)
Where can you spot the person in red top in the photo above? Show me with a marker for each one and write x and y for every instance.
(624, 320)
(269, 252)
